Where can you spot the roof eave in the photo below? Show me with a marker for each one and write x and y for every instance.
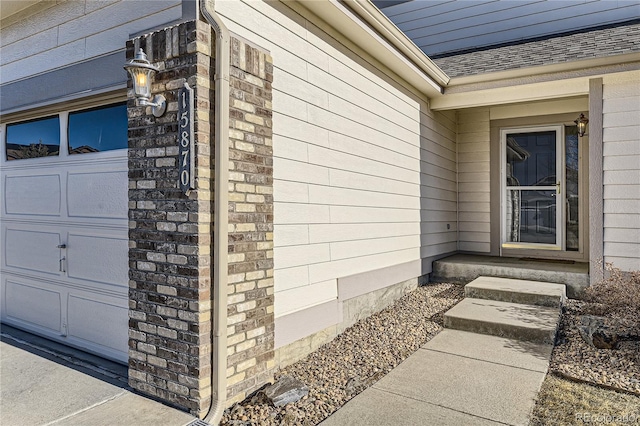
(374, 33)
(378, 20)
(538, 70)
(536, 83)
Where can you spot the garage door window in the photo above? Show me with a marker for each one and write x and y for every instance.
(34, 138)
(98, 129)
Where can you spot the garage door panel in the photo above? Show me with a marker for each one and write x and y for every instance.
(33, 305)
(64, 233)
(33, 195)
(97, 194)
(98, 258)
(97, 318)
(33, 250)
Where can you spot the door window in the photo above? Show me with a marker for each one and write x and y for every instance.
(572, 163)
(531, 184)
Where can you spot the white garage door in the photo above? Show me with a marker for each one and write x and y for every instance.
(64, 228)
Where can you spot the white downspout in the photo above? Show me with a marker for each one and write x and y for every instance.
(221, 217)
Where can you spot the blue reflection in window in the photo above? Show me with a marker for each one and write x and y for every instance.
(572, 179)
(98, 129)
(531, 158)
(34, 138)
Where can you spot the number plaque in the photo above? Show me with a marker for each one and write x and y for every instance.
(185, 139)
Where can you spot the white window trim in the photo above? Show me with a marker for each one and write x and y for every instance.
(63, 116)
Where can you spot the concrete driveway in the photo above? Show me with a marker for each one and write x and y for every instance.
(44, 383)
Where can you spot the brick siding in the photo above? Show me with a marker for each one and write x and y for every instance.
(170, 232)
(250, 305)
(170, 236)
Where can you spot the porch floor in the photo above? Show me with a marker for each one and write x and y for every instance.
(463, 268)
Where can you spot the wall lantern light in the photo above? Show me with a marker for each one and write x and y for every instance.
(142, 73)
(581, 122)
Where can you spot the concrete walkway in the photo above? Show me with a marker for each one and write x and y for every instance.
(42, 383)
(461, 377)
(457, 378)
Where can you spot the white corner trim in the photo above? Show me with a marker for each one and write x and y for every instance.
(596, 174)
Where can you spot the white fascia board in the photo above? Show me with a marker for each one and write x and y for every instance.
(381, 23)
(345, 21)
(533, 83)
(512, 94)
(543, 86)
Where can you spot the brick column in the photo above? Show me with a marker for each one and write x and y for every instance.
(250, 302)
(170, 237)
(170, 232)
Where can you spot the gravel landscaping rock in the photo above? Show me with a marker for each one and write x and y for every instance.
(354, 360)
(574, 357)
(286, 390)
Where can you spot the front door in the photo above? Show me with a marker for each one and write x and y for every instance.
(532, 185)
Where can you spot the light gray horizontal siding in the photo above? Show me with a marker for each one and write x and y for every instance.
(621, 166)
(364, 174)
(473, 180)
(56, 36)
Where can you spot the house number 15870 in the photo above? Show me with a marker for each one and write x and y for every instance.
(185, 147)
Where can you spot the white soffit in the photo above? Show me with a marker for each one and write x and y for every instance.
(344, 20)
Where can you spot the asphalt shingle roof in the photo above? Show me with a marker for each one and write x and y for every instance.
(595, 43)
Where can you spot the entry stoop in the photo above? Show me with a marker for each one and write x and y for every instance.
(462, 268)
(515, 309)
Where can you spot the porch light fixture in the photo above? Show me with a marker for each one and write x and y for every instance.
(142, 73)
(581, 122)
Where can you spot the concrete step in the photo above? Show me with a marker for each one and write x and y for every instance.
(516, 291)
(529, 323)
(462, 268)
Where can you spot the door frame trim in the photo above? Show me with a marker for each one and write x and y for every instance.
(595, 191)
(560, 209)
(565, 119)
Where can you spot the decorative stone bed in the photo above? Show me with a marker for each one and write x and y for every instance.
(602, 350)
(368, 350)
(354, 360)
